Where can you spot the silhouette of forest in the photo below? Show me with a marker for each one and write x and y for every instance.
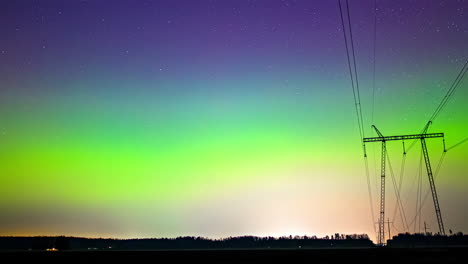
(243, 242)
(404, 248)
(407, 240)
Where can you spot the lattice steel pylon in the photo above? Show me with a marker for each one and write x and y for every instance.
(422, 137)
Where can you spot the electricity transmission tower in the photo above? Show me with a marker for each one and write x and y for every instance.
(353, 73)
(422, 136)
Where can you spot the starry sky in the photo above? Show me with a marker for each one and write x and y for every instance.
(222, 118)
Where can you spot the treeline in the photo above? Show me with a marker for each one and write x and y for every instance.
(243, 242)
(407, 240)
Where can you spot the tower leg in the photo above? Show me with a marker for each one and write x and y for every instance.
(381, 237)
(433, 189)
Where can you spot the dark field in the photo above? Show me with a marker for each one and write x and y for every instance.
(373, 255)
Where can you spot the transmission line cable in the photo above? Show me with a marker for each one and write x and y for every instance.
(455, 84)
(352, 65)
(374, 61)
(458, 144)
(400, 183)
(397, 193)
(353, 73)
(451, 90)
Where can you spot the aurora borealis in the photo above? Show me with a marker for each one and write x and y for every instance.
(220, 118)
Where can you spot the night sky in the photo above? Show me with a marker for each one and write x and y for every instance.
(222, 118)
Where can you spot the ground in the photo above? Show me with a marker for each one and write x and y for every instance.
(374, 255)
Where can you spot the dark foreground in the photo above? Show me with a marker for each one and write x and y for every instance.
(370, 255)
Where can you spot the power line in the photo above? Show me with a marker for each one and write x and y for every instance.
(449, 93)
(351, 57)
(373, 93)
(369, 191)
(374, 61)
(355, 68)
(419, 208)
(460, 76)
(458, 144)
(352, 65)
(397, 194)
(423, 201)
(418, 179)
(402, 171)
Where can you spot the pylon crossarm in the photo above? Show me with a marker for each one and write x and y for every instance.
(403, 137)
